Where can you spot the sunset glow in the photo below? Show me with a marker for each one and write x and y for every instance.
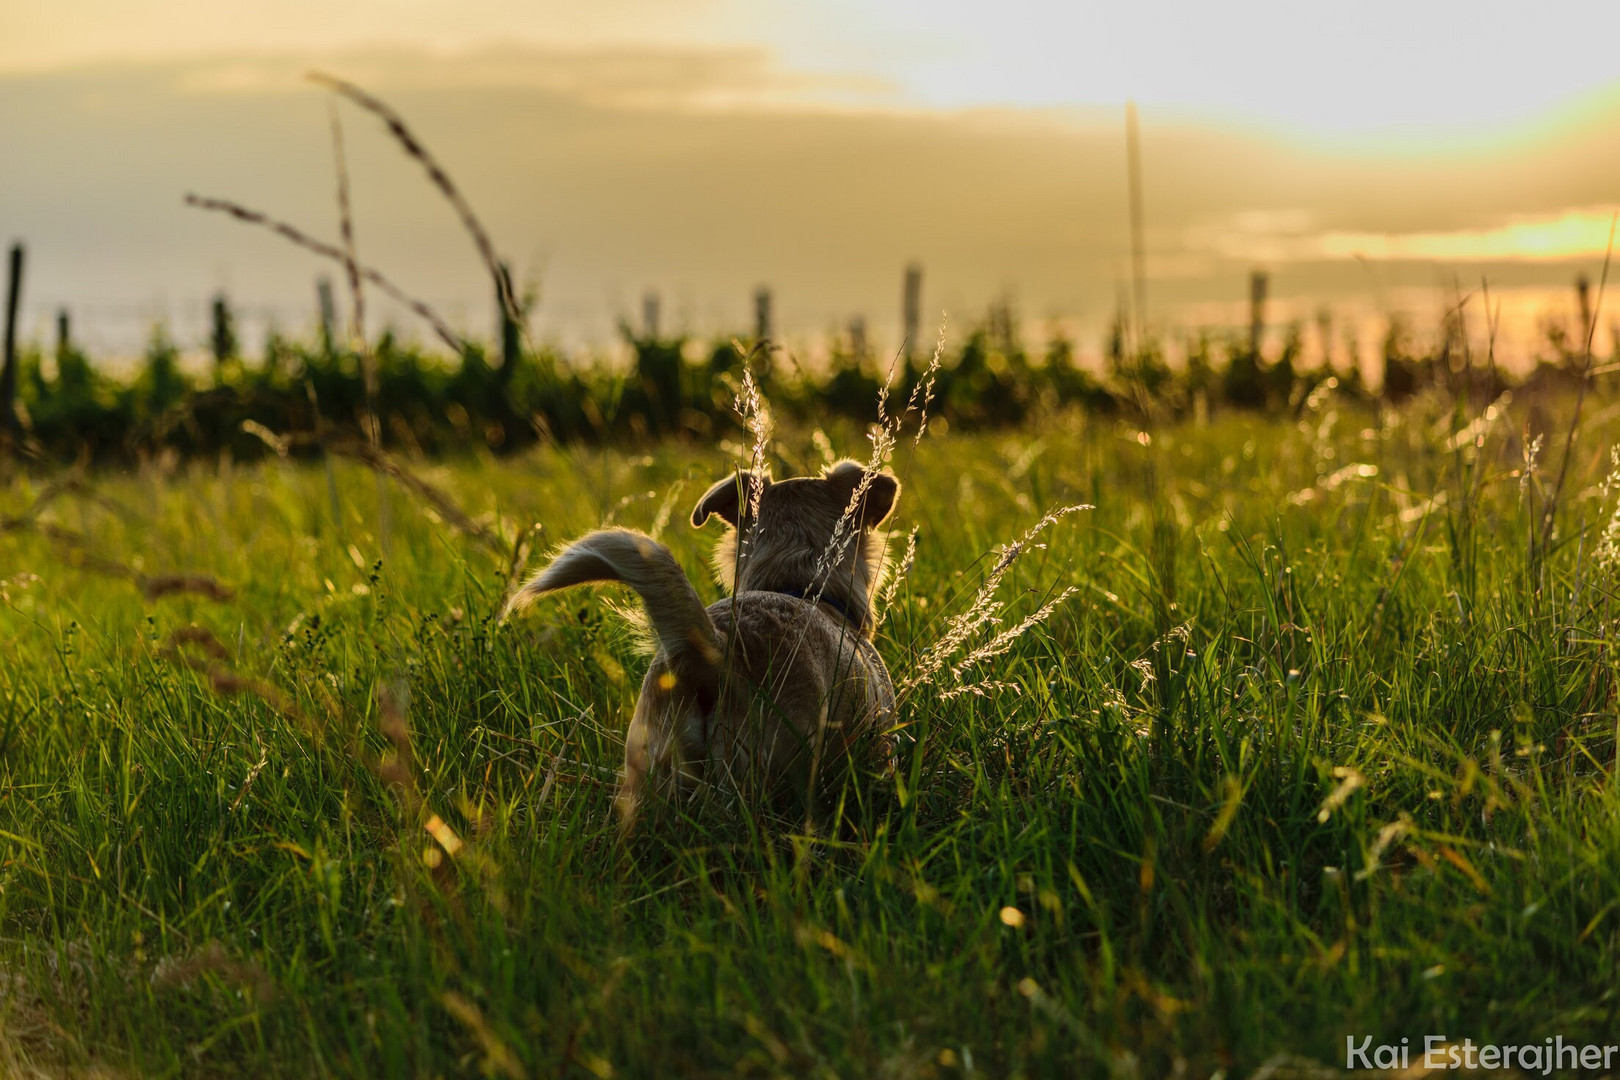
(699, 147)
(1574, 234)
(1283, 237)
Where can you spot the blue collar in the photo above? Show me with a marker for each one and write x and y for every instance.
(857, 621)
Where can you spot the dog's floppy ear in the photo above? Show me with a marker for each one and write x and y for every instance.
(881, 491)
(727, 499)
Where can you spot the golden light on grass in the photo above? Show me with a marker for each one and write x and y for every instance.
(1349, 780)
(444, 834)
(1012, 917)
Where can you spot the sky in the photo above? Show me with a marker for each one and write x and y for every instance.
(1369, 157)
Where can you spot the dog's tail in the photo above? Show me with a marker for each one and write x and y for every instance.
(685, 633)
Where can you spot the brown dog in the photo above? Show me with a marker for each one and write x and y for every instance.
(769, 689)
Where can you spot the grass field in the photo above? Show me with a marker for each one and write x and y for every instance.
(1320, 746)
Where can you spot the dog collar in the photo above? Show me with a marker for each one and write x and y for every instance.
(799, 594)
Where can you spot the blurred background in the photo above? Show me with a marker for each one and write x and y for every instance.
(1370, 160)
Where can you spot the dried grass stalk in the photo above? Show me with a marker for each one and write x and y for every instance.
(381, 461)
(213, 960)
(436, 173)
(228, 683)
(78, 551)
(302, 239)
(351, 270)
(197, 584)
(985, 611)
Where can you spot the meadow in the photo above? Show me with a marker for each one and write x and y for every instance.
(1320, 744)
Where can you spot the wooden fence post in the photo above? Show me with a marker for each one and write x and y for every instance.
(1257, 311)
(649, 316)
(1324, 331)
(911, 308)
(511, 338)
(222, 340)
(328, 310)
(8, 372)
(1583, 294)
(763, 325)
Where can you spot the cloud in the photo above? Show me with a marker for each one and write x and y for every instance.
(1277, 237)
(645, 78)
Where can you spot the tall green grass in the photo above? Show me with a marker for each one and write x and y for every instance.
(1321, 746)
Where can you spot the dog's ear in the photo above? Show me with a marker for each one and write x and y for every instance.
(881, 491)
(728, 498)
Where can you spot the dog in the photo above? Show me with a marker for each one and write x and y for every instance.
(773, 688)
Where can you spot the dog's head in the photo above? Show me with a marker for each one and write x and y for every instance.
(808, 535)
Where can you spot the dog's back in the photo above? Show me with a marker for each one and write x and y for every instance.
(804, 691)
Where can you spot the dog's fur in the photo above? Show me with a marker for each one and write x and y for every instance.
(770, 689)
